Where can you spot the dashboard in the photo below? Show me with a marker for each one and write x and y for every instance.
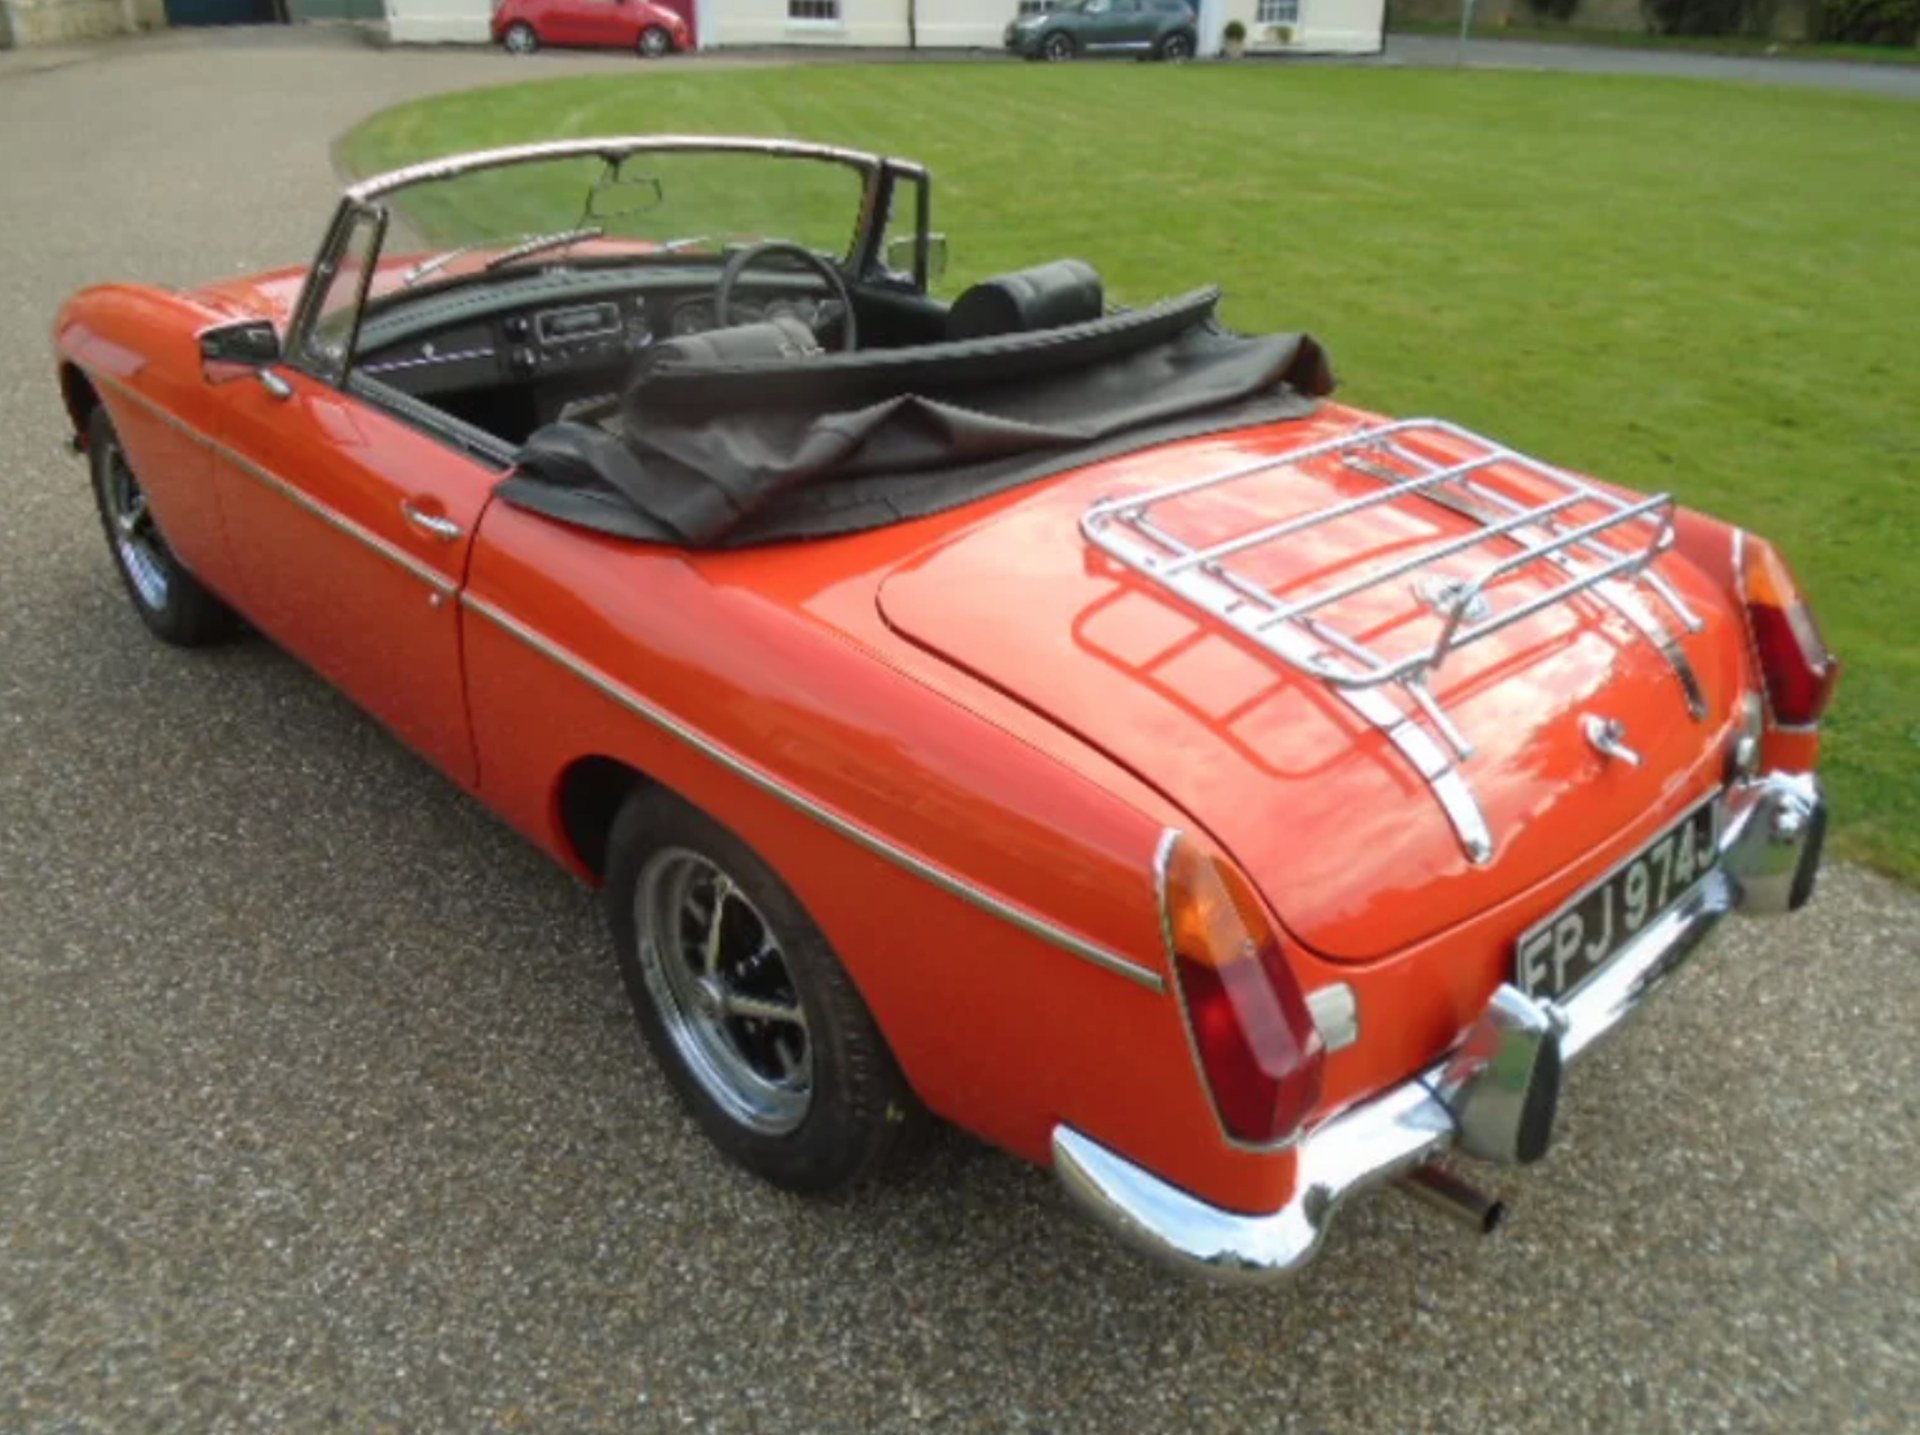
(537, 330)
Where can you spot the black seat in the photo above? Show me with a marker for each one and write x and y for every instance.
(1048, 296)
(781, 337)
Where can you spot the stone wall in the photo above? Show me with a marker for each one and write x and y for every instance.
(53, 22)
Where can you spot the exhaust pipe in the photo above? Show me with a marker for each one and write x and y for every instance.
(1446, 1192)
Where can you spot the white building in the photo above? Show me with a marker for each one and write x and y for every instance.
(1273, 26)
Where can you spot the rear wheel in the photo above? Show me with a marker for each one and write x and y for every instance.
(1057, 47)
(520, 39)
(654, 42)
(169, 599)
(1177, 47)
(747, 1010)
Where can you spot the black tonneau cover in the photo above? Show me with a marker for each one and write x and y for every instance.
(725, 453)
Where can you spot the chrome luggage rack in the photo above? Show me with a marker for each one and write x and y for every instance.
(1609, 556)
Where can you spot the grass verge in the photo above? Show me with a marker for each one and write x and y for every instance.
(1709, 289)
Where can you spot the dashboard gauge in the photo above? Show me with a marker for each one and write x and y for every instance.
(694, 318)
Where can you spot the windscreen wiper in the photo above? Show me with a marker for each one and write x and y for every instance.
(542, 242)
(434, 265)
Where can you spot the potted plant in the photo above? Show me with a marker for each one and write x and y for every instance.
(1281, 34)
(1233, 40)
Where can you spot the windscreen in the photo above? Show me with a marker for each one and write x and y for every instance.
(694, 201)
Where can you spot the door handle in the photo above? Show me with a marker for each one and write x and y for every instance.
(440, 526)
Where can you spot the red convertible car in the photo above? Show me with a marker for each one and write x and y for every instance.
(1060, 719)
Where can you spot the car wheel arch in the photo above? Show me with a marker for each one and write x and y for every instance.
(80, 396)
(587, 799)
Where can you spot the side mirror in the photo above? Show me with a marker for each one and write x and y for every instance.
(901, 252)
(233, 351)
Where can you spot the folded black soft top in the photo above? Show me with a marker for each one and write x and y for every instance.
(754, 439)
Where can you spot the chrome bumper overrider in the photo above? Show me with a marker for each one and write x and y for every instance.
(1770, 847)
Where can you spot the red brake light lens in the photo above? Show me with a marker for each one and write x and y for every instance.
(1799, 669)
(1259, 1050)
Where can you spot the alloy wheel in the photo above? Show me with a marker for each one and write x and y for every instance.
(520, 40)
(137, 541)
(726, 998)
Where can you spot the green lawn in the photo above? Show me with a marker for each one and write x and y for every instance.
(1744, 46)
(1705, 288)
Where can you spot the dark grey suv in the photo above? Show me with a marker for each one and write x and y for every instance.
(1159, 29)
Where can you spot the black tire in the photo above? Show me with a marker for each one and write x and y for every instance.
(1058, 47)
(858, 1116)
(653, 43)
(520, 39)
(1176, 48)
(173, 604)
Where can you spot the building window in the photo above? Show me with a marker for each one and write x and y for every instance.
(1276, 12)
(1032, 7)
(814, 10)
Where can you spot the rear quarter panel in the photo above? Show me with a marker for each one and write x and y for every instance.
(999, 1030)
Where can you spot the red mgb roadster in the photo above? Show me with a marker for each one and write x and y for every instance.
(1057, 718)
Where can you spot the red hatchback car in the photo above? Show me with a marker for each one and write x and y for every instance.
(523, 26)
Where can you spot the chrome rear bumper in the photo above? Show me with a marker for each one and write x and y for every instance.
(1770, 849)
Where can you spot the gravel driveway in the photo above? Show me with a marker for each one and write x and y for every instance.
(320, 1106)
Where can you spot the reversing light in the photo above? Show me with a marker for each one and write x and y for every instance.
(1799, 669)
(1258, 1047)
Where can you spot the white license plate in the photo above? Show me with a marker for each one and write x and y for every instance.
(1556, 955)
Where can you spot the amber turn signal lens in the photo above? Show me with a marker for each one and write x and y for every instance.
(1257, 1045)
(1799, 669)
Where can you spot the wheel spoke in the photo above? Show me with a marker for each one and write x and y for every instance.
(716, 919)
(792, 1065)
(760, 1009)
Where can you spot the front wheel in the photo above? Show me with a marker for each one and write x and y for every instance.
(172, 603)
(654, 42)
(1176, 48)
(520, 39)
(1057, 47)
(747, 1010)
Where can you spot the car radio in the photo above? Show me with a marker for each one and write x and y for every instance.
(560, 327)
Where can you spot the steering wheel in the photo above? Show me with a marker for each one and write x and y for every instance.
(839, 310)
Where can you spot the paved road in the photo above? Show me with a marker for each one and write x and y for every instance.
(320, 1107)
(1894, 81)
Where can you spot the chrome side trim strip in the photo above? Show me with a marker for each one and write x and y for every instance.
(955, 886)
(434, 579)
(439, 582)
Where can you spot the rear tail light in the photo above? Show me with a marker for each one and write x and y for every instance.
(1799, 669)
(1256, 1042)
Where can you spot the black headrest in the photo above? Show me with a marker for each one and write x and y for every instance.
(1048, 296)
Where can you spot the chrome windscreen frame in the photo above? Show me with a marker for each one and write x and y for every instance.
(880, 177)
